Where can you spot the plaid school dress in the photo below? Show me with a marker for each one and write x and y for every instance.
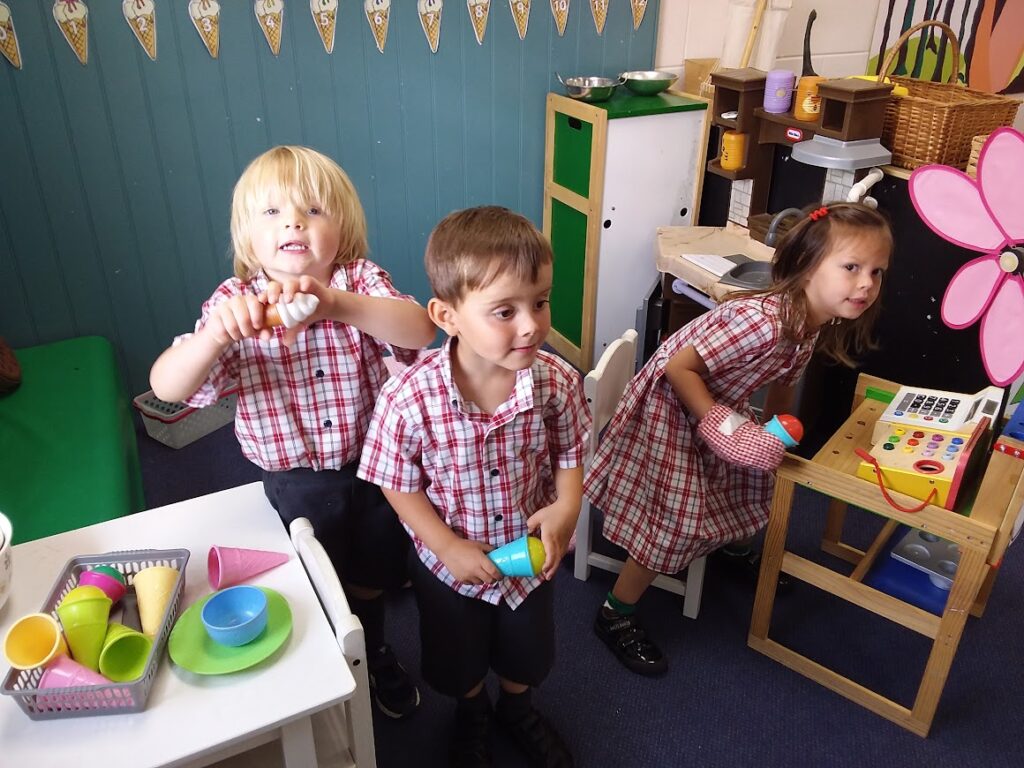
(667, 498)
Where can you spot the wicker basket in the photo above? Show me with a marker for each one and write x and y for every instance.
(972, 163)
(937, 122)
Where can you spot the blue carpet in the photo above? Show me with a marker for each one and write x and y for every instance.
(721, 704)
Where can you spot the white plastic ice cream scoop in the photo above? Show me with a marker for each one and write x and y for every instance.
(294, 312)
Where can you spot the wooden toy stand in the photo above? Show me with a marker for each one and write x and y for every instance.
(982, 537)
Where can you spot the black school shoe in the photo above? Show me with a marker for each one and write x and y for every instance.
(628, 641)
(393, 690)
(536, 738)
(746, 566)
(470, 745)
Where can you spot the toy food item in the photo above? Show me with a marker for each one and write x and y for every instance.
(787, 428)
(294, 312)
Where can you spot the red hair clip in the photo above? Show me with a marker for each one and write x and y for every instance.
(820, 213)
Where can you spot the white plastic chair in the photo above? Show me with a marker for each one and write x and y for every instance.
(351, 732)
(603, 388)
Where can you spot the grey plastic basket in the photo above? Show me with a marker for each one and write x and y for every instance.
(116, 698)
(176, 424)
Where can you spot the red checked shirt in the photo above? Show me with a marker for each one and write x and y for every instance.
(308, 405)
(485, 474)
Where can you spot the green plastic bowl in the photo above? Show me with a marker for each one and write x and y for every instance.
(648, 83)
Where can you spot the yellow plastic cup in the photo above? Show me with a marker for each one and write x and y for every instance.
(153, 588)
(125, 653)
(34, 641)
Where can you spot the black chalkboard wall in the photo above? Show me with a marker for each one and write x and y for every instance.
(915, 346)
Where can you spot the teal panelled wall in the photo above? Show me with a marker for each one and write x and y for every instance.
(116, 177)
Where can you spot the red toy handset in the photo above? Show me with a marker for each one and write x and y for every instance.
(739, 440)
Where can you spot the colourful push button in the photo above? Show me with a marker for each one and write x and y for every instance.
(893, 439)
(899, 413)
(912, 441)
(888, 447)
(938, 438)
(927, 418)
(907, 449)
(953, 449)
(944, 421)
(957, 440)
(918, 433)
(899, 431)
(927, 454)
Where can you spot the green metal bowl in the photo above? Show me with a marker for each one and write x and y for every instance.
(648, 83)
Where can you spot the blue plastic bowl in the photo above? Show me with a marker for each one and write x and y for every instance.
(235, 616)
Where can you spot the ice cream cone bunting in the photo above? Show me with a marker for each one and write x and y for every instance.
(72, 16)
(205, 15)
(479, 10)
(378, 13)
(639, 8)
(521, 14)
(9, 38)
(430, 20)
(560, 10)
(599, 8)
(325, 17)
(141, 17)
(270, 14)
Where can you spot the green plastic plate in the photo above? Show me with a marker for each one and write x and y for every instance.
(192, 649)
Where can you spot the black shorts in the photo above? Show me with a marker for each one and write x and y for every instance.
(351, 518)
(462, 637)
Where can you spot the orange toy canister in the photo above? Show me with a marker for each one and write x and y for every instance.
(734, 148)
(807, 104)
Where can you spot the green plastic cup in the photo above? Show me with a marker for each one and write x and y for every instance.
(85, 627)
(125, 653)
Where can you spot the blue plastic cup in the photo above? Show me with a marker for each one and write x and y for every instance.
(522, 557)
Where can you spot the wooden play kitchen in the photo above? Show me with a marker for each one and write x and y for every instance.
(981, 532)
(614, 172)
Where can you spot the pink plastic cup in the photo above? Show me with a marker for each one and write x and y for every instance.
(63, 672)
(111, 587)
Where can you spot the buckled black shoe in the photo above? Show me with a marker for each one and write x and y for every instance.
(470, 745)
(628, 641)
(747, 567)
(393, 690)
(537, 739)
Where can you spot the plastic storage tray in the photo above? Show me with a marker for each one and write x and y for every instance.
(176, 424)
(116, 698)
(928, 553)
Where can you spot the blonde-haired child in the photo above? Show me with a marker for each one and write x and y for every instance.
(474, 446)
(683, 469)
(306, 393)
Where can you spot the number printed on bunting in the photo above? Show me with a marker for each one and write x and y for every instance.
(325, 17)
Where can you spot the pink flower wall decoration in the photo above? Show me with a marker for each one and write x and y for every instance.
(985, 215)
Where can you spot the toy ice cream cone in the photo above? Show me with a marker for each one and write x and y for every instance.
(72, 16)
(154, 587)
(141, 17)
(9, 38)
(325, 17)
(227, 566)
(378, 13)
(560, 10)
(639, 8)
(599, 8)
(270, 14)
(294, 312)
(787, 428)
(521, 14)
(430, 20)
(205, 15)
(85, 626)
(479, 10)
(522, 557)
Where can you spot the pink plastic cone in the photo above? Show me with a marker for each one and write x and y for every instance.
(227, 566)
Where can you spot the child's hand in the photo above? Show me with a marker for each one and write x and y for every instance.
(468, 562)
(284, 293)
(556, 522)
(738, 440)
(240, 317)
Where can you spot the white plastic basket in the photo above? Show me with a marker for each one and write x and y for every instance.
(176, 424)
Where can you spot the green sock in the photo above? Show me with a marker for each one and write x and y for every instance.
(621, 608)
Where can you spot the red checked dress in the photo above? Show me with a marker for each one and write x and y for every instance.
(667, 499)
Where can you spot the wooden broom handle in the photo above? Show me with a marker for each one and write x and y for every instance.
(946, 30)
(748, 49)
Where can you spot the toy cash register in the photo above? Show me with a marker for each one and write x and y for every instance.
(927, 442)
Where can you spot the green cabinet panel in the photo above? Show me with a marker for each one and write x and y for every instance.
(571, 164)
(569, 242)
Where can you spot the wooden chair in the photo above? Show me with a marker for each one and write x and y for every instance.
(604, 387)
(350, 730)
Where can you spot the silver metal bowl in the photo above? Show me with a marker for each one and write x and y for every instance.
(648, 83)
(589, 89)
